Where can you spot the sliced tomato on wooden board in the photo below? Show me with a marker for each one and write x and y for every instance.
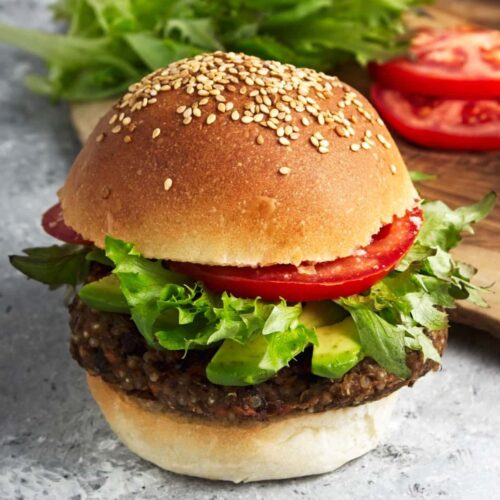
(328, 280)
(464, 124)
(453, 63)
(53, 223)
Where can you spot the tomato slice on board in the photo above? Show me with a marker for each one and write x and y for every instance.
(455, 63)
(440, 123)
(53, 223)
(327, 280)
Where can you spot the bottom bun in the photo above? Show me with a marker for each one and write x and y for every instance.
(293, 446)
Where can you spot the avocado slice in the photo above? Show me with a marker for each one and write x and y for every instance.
(105, 295)
(338, 350)
(238, 364)
(321, 313)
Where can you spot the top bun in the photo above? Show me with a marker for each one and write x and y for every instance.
(228, 159)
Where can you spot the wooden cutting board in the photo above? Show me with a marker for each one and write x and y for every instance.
(463, 178)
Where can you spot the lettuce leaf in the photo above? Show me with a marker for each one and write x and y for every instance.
(173, 312)
(112, 43)
(399, 308)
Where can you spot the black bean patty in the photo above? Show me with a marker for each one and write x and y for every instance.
(109, 345)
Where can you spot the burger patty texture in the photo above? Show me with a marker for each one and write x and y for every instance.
(109, 345)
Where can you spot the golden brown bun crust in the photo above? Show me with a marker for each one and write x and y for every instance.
(228, 204)
(290, 447)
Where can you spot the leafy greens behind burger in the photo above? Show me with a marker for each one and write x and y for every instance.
(111, 44)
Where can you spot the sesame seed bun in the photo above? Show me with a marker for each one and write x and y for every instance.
(227, 159)
(294, 446)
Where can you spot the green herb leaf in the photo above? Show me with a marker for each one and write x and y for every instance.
(55, 265)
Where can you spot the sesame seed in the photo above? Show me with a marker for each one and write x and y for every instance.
(365, 145)
(274, 95)
(355, 147)
(113, 119)
(100, 138)
(323, 150)
(116, 129)
(259, 139)
(284, 170)
(127, 139)
(394, 169)
(156, 133)
(168, 183)
(314, 141)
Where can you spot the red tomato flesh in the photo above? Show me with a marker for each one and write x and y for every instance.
(440, 123)
(326, 280)
(53, 223)
(455, 63)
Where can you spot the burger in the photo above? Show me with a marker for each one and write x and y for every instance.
(255, 274)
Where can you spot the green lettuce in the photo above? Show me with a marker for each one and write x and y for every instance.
(397, 310)
(110, 44)
(173, 312)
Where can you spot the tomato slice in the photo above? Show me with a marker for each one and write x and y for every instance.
(440, 123)
(308, 282)
(53, 223)
(454, 63)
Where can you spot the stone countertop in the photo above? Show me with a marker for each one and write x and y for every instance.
(443, 442)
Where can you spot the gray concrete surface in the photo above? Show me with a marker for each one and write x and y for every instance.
(444, 440)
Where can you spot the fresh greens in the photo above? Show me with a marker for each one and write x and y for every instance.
(112, 43)
(55, 265)
(396, 311)
(417, 176)
(172, 312)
